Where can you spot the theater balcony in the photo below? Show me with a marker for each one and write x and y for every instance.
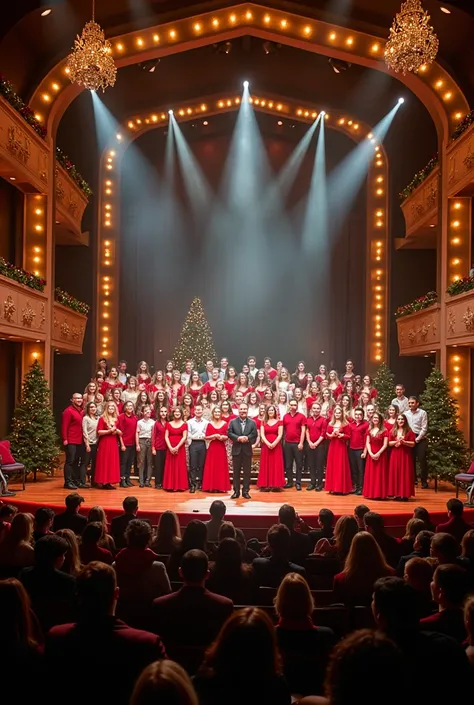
(419, 333)
(68, 329)
(71, 203)
(460, 155)
(460, 319)
(420, 211)
(23, 313)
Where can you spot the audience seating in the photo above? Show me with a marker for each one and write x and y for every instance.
(322, 598)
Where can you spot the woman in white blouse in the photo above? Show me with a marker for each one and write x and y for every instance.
(89, 433)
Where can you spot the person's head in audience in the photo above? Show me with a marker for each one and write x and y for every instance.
(168, 527)
(97, 590)
(228, 561)
(7, 512)
(422, 542)
(97, 514)
(326, 519)
(455, 507)
(72, 562)
(469, 619)
(365, 562)
(287, 516)
(73, 502)
(449, 586)
(418, 574)
(279, 541)
(344, 531)
(226, 531)
(294, 600)
(423, 514)
(467, 544)
(246, 642)
(413, 528)
(367, 657)
(394, 607)
(194, 568)
(138, 534)
(44, 517)
(18, 631)
(444, 548)
(195, 536)
(217, 510)
(164, 682)
(374, 523)
(241, 540)
(92, 534)
(50, 552)
(21, 531)
(359, 512)
(130, 505)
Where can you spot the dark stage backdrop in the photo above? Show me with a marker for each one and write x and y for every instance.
(262, 294)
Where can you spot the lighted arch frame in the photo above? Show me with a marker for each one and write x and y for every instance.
(108, 228)
(434, 86)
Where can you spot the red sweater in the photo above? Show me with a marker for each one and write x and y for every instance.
(128, 426)
(158, 436)
(71, 426)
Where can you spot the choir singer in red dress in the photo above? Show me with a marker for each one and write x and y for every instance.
(271, 475)
(401, 473)
(107, 467)
(338, 471)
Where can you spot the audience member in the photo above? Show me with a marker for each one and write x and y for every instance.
(190, 619)
(304, 647)
(168, 535)
(70, 518)
(364, 565)
(248, 554)
(469, 623)
(271, 571)
(243, 664)
(16, 551)
(89, 550)
(164, 682)
(113, 653)
(194, 538)
(421, 549)
(359, 513)
(389, 546)
(52, 592)
(467, 557)
(119, 524)
(44, 517)
(97, 513)
(413, 528)
(338, 547)
(456, 526)
(423, 514)
(20, 653)
(444, 548)
(72, 562)
(300, 545)
(326, 527)
(418, 574)
(217, 511)
(229, 576)
(226, 531)
(7, 512)
(431, 658)
(449, 589)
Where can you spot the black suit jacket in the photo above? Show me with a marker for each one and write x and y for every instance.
(117, 528)
(235, 431)
(70, 520)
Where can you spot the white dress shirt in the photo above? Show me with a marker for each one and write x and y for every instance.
(197, 429)
(89, 429)
(418, 422)
(401, 403)
(145, 428)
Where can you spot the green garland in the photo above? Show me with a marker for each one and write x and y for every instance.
(462, 126)
(21, 275)
(418, 179)
(460, 286)
(73, 172)
(62, 297)
(8, 92)
(417, 305)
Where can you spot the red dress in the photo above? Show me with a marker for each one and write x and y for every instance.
(389, 426)
(376, 471)
(176, 472)
(107, 464)
(230, 386)
(338, 471)
(271, 473)
(401, 474)
(216, 468)
(195, 393)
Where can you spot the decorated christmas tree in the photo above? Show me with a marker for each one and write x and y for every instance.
(385, 385)
(195, 342)
(34, 440)
(448, 453)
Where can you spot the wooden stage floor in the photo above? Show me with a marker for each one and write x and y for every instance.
(259, 512)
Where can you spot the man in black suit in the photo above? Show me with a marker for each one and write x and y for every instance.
(300, 545)
(271, 571)
(243, 433)
(207, 374)
(421, 549)
(71, 519)
(120, 523)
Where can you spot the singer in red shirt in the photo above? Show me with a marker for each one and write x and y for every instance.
(158, 447)
(316, 426)
(357, 441)
(73, 442)
(127, 423)
(294, 426)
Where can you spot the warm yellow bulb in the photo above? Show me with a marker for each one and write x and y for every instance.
(284, 24)
(375, 47)
(457, 205)
(215, 22)
(248, 15)
(332, 36)
(172, 34)
(456, 390)
(119, 47)
(279, 106)
(458, 116)
(233, 18)
(379, 192)
(349, 41)
(266, 19)
(455, 241)
(456, 224)
(38, 228)
(439, 84)
(46, 97)
(448, 95)
(307, 30)
(156, 37)
(55, 86)
(140, 42)
(38, 211)
(197, 27)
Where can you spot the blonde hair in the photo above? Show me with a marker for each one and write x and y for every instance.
(345, 530)
(72, 562)
(365, 562)
(294, 599)
(344, 420)
(106, 416)
(164, 680)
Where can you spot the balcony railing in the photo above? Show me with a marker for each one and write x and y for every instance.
(460, 319)
(461, 165)
(420, 209)
(419, 333)
(68, 329)
(23, 311)
(70, 206)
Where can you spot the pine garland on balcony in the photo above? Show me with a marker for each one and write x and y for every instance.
(8, 92)
(417, 305)
(460, 286)
(67, 164)
(462, 126)
(419, 177)
(62, 297)
(7, 269)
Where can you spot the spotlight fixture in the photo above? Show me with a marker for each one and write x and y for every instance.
(246, 84)
(401, 100)
(323, 113)
(270, 47)
(446, 10)
(338, 66)
(170, 112)
(224, 48)
(149, 66)
(47, 11)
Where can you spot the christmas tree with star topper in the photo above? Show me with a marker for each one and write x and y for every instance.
(34, 441)
(448, 453)
(195, 342)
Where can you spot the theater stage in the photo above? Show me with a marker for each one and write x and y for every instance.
(254, 516)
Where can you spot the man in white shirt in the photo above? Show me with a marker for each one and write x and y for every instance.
(197, 450)
(401, 401)
(418, 421)
(123, 374)
(252, 363)
(223, 368)
(188, 369)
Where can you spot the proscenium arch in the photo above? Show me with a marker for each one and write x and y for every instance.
(434, 86)
(108, 211)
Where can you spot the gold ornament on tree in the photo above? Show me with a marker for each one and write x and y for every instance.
(91, 64)
(412, 41)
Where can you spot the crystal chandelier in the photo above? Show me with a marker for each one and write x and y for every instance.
(412, 41)
(90, 63)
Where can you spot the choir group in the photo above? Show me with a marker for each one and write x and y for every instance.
(178, 428)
